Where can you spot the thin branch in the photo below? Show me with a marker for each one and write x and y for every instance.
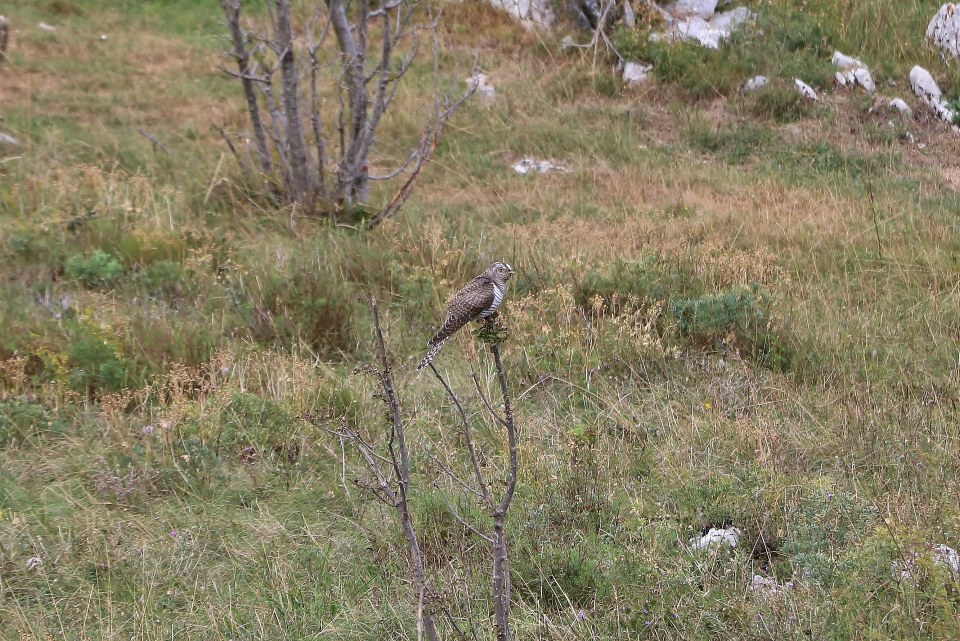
(459, 517)
(486, 401)
(154, 140)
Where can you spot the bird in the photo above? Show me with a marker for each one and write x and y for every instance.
(481, 298)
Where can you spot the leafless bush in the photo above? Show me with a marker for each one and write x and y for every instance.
(389, 481)
(318, 157)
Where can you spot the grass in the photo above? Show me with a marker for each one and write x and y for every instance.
(732, 310)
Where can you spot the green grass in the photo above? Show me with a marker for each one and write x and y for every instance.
(732, 310)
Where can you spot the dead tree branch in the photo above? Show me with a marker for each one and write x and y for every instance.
(4, 38)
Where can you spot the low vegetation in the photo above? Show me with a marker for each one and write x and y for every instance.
(731, 311)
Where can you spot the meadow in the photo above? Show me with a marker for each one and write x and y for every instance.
(732, 310)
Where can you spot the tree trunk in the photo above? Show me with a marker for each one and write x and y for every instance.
(231, 9)
(301, 171)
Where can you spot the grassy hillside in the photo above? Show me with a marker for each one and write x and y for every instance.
(732, 310)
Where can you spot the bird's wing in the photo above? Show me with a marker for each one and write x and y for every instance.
(465, 305)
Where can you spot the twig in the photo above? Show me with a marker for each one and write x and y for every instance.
(157, 143)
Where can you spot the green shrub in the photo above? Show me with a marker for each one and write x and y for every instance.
(95, 367)
(710, 317)
(308, 303)
(737, 143)
(779, 102)
(98, 270)
(163, 279)
(557, 578)
(21, 421)
(642, 282)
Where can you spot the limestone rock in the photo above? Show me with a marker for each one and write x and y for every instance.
(900, 105)
(755, 83)
(716, 536)
(531, 13)
(805, 89)
(530, 165)
(852, 72)
(708, 31)
(926, 88)
(636, 73)
(944, 30)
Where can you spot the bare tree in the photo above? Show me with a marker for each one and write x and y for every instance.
(492, 333)
(325, 166)
(4, 37)
(389, 482)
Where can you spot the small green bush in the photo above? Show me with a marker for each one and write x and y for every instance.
(98, 270)
(95, 367)
(779, 102)
(21, 421)
(305, 303)
(641, 282)
(558, 577)
(710, 317)
(737, 144)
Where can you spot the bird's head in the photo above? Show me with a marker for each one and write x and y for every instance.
(500, 272)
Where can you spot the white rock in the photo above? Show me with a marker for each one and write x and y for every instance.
(901, 106)
(43, 26)
(942, 555)
(702, 8)
(629, 17)
(926, 88)
(635, 73)
(531, 13)
(944, 30)
(946, 556)
(33, 563)
(843, 61)
(716, 536)
(532, 165)
(858, 76)
(7, 139)
(755, 83)
(805, 89)
(103, 36)
(707, 32)
(864, 79)
(484, 88)
(567, 43)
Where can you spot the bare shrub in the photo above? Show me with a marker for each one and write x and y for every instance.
(319, 157)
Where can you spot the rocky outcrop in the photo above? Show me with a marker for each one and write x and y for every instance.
(944, 30)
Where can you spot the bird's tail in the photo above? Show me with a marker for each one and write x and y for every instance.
(434, 350)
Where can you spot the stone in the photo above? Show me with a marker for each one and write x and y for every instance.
(702, 8)
(944, 30)
(706, 32)
(805, 89)
(43, 26)
(852, 72)
(636, 73)
(941, 554)
(531, 165)
(842, 61)
(530, 13)
(7, 139)
(926, 88)
(755, 83)
(900, 105)
(729, 536)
